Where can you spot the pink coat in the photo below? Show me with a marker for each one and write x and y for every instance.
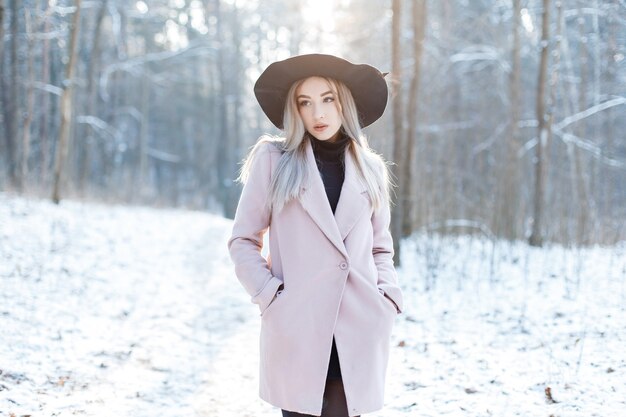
(338, 277)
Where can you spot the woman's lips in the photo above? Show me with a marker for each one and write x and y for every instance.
(319, 128)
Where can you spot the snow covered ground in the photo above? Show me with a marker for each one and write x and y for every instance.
(128, 311)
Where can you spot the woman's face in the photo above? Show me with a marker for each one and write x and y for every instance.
(319, 108)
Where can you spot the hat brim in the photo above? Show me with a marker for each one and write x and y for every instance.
(366, 83)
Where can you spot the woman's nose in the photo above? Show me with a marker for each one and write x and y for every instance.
(318, 112)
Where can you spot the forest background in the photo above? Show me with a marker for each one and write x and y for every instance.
(506, 118)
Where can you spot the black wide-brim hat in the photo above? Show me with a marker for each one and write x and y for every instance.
(366, 83)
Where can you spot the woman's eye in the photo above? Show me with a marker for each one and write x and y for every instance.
(303, 103)
(329, 99)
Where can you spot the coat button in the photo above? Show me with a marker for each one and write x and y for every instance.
(343, 265)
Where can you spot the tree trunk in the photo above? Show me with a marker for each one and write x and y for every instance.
(84, 159)
(223, 138)
(536, 237)
(230, 205)
(66, 108)
(11, 101)
(419, 23)
(29, 101)
(2, 29)
(398, 137)
(611, 136)
(509, 211)
(144, 134)
(44, 104)
(581, 201)
(2, 101)
(555, 203)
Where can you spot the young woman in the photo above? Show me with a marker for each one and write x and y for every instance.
(327, 292)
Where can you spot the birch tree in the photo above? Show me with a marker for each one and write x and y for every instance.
(10, 98)
(507, 203)
(30, 93)
(398, 131)
(536, 237)
(2, 102)
(419, 30)
(1, 28)
(66, 107)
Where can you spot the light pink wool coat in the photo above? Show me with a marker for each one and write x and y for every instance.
(337, 272)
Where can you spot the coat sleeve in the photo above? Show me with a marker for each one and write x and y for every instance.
(383, 256)
(252, 220)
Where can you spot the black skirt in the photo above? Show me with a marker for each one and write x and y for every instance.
(334, 371)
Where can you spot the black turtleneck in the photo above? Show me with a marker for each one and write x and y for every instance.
(329, 158)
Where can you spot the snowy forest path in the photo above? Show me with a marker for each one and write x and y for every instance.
(120, 311)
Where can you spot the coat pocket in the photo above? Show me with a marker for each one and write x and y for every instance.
(386, 300)
(275, 300)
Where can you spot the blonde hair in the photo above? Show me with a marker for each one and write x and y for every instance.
(291, 172)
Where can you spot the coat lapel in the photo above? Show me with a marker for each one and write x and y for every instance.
(316, 204)
(353, 200)
(351, 205)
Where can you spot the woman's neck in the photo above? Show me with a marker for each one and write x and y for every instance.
(328, 148)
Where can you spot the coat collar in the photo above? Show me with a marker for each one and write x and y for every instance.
(353, 200)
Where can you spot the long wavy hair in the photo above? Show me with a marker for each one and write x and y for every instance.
(291, 172)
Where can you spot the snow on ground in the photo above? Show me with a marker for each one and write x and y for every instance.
(501, 323)
(129, 311)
